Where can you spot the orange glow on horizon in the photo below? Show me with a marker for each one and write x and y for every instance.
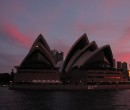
(129, 73)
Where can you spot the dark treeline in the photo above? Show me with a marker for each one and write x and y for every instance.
(5, 78)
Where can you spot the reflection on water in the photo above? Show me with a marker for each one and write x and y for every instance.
(63, 100)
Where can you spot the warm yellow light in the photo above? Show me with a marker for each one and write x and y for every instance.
(129, 73)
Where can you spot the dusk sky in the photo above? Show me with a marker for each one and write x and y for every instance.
(62, 22)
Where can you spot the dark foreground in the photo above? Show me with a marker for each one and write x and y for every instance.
(67, 100)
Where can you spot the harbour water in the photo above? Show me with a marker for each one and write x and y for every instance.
(64, 100)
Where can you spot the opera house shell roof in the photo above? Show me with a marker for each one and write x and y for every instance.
(39, 56)
(38, 65)
(86, 62)
(87, 55)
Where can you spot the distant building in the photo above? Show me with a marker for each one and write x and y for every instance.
(119, 65)
(125, 69)
(114, 63)
(58, 55)
(124, 66)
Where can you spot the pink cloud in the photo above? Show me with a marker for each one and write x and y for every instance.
(114, 3)
(122, 43)
(109, 7)
(14, 34)
(121, 46)
(123, 56)
(100, 29)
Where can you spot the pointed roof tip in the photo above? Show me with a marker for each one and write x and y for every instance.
(94, 43)
(85, 37)
(84, 34)
(40, 35)
(40, 39)
(107, 45)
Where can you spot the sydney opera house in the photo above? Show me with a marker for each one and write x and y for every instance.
(85, 63)
(38, 65)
